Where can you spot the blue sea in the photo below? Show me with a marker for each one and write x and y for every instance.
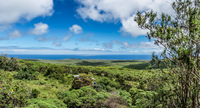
(101, 57)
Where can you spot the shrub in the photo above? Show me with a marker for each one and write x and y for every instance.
(126, 86)
(56, 71)
(77, 98)
(42, 82)
(127, 96)
(98, 87)
(85, 97)
(9, 64)
(143, 99)
(68, 79)
(29, 75)
(115, 101)
(35, 93)
(12, 93)
(45, 103)
(82, 80)
(107, 84)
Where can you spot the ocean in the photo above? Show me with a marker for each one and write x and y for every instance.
(101, 57)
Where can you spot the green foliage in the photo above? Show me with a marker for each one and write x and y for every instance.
(42, 82)
(82, 80)
(116, 87)
(29, 75)
(179, 36)
(108, 84)
(162, 85)
(35, 93)
(56, 71)
(60, 72)
(85, 97)
(98, 87)
(33, 66)
(143, 99)
(9, 64)
(45, 103)
(126, 96)
(69, 79)
(12, 93)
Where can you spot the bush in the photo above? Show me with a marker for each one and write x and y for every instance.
(45, 103)
(82, 80)
(107, 84)
(9, 64)
(35, 93)
(143, 99)
(42, 82)
(85, 97)
(115, 101)
(12, 93)
(29, 75)
(127, 96)
(98, 87)
(56, 71)
(81, 97)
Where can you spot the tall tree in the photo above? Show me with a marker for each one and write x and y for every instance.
(179, 35)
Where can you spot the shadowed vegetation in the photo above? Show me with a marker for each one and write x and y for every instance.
(96, 63)
(139, 66)
(131, 64)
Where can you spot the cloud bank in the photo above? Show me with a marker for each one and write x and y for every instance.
(12, 11)
(121, 10)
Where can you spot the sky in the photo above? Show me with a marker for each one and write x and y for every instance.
(91, 27)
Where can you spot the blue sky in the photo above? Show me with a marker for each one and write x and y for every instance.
(75, 26)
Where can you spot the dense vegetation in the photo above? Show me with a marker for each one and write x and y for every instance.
(35, 84)
(178, 35)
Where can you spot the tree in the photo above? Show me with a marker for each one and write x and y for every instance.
(179, 35)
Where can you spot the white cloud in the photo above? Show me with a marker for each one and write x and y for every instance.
(108, 45)
(40, 28)
(14, 34)
(124, 11)
(126, 45)
(57, 43)
(12, 11)
(144, 45)
(66, 38)
(131, 27)
(76, 29)
(42, 39)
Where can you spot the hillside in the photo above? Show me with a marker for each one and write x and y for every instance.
(131, 64)
(97, 84)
